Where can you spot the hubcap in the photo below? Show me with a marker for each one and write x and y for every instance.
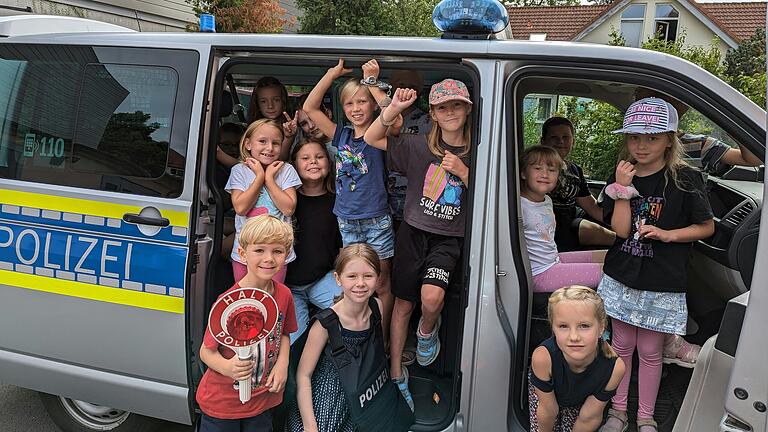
(96, 417)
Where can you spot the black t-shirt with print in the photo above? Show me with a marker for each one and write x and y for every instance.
(317, 239)
(570, 185)
(653, 265)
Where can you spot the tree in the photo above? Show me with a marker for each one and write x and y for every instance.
(242, 16)
(748, 58)
(368, 17)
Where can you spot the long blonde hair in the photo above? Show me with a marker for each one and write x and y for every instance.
(244, 153)
(436, 134)
(586, 295)
(673, 161)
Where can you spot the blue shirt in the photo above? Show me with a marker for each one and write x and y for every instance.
(360, 177)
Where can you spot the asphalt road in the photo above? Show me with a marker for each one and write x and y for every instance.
(22, 411)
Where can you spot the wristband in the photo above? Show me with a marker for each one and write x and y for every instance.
(619, 192)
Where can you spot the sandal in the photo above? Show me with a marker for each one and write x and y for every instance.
(617, 421)
(680, 352)
(647, 425)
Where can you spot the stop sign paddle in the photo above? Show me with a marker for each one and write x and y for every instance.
(239, 320)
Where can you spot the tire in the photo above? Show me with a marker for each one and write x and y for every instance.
(71, 415)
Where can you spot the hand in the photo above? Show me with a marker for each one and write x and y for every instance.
(625, 171)
(371, 68)
(291, 125)
(277, 378)
(339, 69)
(402, 99)
(654, 233)
(238, 369)
(255, 166)
(454, 165)
(273, 169)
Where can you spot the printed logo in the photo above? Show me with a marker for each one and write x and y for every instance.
(441, 195)
(645, 211)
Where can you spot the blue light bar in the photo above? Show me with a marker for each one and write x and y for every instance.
(207, 23)
(470, 16)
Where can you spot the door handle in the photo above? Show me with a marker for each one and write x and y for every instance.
(145, 220)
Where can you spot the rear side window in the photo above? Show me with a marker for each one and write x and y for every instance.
(99, 118)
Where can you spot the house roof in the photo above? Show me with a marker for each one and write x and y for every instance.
(562, 23)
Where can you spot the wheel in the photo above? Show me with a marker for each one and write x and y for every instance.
(72, 415)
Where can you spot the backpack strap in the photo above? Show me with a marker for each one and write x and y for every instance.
(375, 312)
(330, 321)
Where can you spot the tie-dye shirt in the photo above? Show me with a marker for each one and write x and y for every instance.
(433, 200)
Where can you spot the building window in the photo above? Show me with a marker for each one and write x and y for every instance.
(539, 106)
(665, 25)
(632, 24)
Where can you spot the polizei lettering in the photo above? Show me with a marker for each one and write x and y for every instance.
(371, 391)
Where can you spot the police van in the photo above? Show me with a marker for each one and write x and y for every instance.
(111, 216)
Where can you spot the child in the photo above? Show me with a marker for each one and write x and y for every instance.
(354, 323)
(269, 99)
(430, 239)
(539, 170)
(318, 240)
(261, 184)
(309, 130)
(657, 206)
(573, 373)
(361, 196)
(264, 242)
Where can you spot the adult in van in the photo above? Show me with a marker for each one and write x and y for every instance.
(572, 193)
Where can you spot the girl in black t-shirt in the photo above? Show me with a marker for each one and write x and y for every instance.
(657, 206)
(573, 373)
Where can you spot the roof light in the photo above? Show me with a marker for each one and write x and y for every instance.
(470, 17)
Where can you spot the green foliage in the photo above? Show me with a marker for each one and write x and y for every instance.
(242, 16)
(706, 57)
(368, 17)
(531, 129)
(748, 58)
(617, 38)
(595, 148)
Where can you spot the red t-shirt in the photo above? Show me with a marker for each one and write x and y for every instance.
(217, 395)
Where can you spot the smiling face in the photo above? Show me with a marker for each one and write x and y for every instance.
(450, 115)
(310, 128)
(577, 331)
(648, 149)
(540, 177)
(270, 101)
(357, 280)
(560, 138)
(312, 162)
(264, 144)
(360, 107)
(264, 260)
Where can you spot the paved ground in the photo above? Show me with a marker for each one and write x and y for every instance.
(22, 411)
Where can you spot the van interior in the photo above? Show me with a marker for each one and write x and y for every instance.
(719, 270)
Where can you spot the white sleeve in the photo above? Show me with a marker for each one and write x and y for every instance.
(288, 177)
(240, 178)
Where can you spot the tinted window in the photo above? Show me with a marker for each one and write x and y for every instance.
(69, 116)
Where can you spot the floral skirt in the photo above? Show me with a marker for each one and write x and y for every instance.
(664, 312)
(566, 417)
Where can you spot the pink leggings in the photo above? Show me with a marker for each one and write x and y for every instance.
(574, 268)
(240, 270)
(649, 345)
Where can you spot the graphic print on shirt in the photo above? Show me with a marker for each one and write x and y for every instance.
(566, 190)
(442, 193)
(545, 226)
(350, 162)
(645, 211)
(265, 355)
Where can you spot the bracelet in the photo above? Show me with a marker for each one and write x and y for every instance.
(373, 82)
(381, 119)
(618, 192)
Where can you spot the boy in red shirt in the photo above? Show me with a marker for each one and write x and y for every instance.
(264, 244)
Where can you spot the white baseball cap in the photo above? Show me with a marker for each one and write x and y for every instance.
(649, 116)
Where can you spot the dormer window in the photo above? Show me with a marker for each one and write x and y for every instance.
(632, 24)
(665, 24)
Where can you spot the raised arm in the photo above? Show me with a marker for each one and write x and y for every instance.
(621, 221)
(376, 135)
(312, 106)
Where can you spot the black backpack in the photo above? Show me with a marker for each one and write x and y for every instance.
(375, 403)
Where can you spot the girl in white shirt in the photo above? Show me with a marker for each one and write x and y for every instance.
(539, 170)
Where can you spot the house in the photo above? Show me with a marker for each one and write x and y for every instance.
(141, 15)
(638, 20)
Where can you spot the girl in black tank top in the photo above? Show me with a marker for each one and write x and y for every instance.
(574, 373)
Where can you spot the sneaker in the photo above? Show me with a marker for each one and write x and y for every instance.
(427, 347)
(402, 385)
(680, 352)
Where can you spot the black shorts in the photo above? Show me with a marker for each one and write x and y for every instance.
(423, 258)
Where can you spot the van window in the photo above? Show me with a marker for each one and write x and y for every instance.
(68, 119)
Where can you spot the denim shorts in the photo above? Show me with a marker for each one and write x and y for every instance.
(377, 232)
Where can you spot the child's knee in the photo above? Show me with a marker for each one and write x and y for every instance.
(432, 297)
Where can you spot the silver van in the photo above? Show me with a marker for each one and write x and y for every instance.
(111, 218)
